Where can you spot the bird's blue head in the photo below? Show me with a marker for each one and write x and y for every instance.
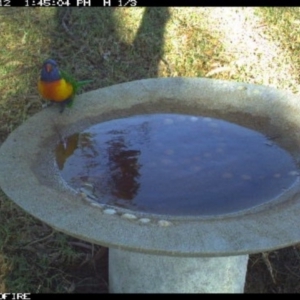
(50, 71)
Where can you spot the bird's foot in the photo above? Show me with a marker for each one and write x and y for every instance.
(44, 105)
(62, 107)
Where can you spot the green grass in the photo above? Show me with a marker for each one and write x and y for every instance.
(113, 45)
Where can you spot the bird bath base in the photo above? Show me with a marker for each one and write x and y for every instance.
(144, 273)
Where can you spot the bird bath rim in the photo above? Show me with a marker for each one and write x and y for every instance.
(43, 194)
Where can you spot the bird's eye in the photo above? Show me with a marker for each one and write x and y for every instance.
(48, 68)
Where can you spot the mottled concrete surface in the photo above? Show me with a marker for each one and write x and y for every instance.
(163, 274)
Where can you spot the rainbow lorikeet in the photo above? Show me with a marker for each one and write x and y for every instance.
(58, 86)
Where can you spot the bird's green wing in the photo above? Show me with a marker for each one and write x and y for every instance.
(76, 84)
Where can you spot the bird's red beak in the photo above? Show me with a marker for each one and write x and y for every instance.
(48, 68)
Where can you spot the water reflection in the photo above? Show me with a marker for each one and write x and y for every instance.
(123, 169)
(68, 145)
(110, 165)
(176, 164)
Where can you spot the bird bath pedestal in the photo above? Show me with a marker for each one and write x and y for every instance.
(153, 252)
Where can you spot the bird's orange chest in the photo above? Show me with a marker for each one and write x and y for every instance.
(57, 91)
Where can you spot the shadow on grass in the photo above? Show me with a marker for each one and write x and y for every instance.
(91, 45)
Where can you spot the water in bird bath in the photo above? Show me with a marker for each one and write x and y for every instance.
(175, 164)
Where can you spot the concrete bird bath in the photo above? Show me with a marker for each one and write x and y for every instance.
(153, 250)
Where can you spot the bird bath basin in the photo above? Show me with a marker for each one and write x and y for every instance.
(174, 164)
(181, 178)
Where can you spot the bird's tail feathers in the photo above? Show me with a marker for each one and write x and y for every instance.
(83, 82)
